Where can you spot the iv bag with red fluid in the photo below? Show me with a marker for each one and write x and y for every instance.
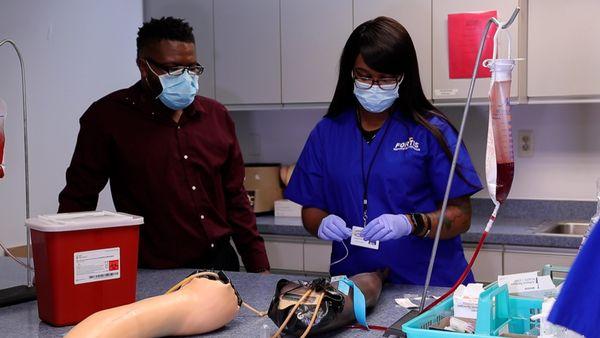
(2, 138)
(500, 163)
(500, 159)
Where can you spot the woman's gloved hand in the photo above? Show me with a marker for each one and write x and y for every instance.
(333, 228)
(386, 227)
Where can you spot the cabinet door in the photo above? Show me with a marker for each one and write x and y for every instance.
(284, 252)
(525, 260)
(247, 51)
(563, 54)
(488, 265)
(415, 16)
(199, 14)
(445, 88)
(313, 33)
(317, 256)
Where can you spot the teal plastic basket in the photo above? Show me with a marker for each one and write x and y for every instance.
(497, 313)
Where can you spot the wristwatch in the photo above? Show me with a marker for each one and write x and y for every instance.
(420, 227)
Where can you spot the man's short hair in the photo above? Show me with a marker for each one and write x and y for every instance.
(165, 28)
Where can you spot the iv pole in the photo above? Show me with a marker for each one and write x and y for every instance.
(396, 328)
(458, 144)
(21, 293)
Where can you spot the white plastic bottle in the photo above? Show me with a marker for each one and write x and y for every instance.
(549, 330)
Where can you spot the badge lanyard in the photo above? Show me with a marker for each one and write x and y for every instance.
(365, 179)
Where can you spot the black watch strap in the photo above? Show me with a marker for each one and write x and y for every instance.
(419, 224)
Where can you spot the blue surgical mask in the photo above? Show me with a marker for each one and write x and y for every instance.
(178, 90)
(375, 99)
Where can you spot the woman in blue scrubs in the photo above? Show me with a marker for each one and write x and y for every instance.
(380, 160)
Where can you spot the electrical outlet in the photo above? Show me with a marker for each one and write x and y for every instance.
(525, 143)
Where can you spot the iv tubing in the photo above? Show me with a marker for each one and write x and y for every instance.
(453, 167)
(471, 262)
(26, 152)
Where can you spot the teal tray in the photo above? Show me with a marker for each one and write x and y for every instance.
(497, 313)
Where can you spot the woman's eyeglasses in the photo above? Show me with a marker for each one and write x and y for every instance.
(385, 83)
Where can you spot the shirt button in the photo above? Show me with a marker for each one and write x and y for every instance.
(212, 245)
(193, 187)
(201, 216)
(178, 127)
(185, 157)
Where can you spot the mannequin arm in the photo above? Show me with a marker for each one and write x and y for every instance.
(202, 305)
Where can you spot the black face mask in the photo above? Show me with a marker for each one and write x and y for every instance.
(302, 299)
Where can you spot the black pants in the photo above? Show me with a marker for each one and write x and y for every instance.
(221, 257)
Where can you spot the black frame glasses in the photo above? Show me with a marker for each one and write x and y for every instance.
(196, 69)
(386, 83)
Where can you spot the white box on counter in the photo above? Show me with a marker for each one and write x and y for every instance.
(466, 300)
(287, 208)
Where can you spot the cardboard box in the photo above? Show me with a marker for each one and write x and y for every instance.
(287, 208)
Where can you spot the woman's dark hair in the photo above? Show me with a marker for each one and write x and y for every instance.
(386, 47)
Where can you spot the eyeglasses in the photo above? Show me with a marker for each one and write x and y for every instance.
(385, 83)
(196, 69)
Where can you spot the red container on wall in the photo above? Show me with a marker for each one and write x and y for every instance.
(84, 262)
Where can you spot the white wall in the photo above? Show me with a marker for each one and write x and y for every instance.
(566, 160)
(75, 51)
(566, 157)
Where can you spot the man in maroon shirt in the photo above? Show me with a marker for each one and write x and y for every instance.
(171, 157)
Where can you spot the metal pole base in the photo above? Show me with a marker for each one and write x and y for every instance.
(17, 294)
(396, 328)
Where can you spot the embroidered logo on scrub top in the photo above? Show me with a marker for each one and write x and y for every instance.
(410, 144)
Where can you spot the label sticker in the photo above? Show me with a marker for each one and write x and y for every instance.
(359, 241)
(445, 92)
(97, 265)
(337, 278)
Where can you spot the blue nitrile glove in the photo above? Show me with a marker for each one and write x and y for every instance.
(386, 227)
(333, 228)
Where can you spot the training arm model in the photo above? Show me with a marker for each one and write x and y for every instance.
(202, 305)
(295, 307)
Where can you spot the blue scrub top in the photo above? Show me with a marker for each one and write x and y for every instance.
(409, 175)
(577, 305)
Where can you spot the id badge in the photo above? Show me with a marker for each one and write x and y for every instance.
(357, 239)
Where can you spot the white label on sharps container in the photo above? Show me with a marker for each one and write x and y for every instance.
(97, 265)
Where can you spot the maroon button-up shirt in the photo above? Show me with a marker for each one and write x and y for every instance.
(185, 179)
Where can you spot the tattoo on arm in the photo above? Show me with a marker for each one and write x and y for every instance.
(456, 219)
(447, 224)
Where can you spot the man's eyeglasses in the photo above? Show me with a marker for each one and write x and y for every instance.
(196, 69)
(385, 83)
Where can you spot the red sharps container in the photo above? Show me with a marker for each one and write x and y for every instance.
(84, 262)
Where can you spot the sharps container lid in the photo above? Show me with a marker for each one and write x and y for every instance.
(82, 221)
